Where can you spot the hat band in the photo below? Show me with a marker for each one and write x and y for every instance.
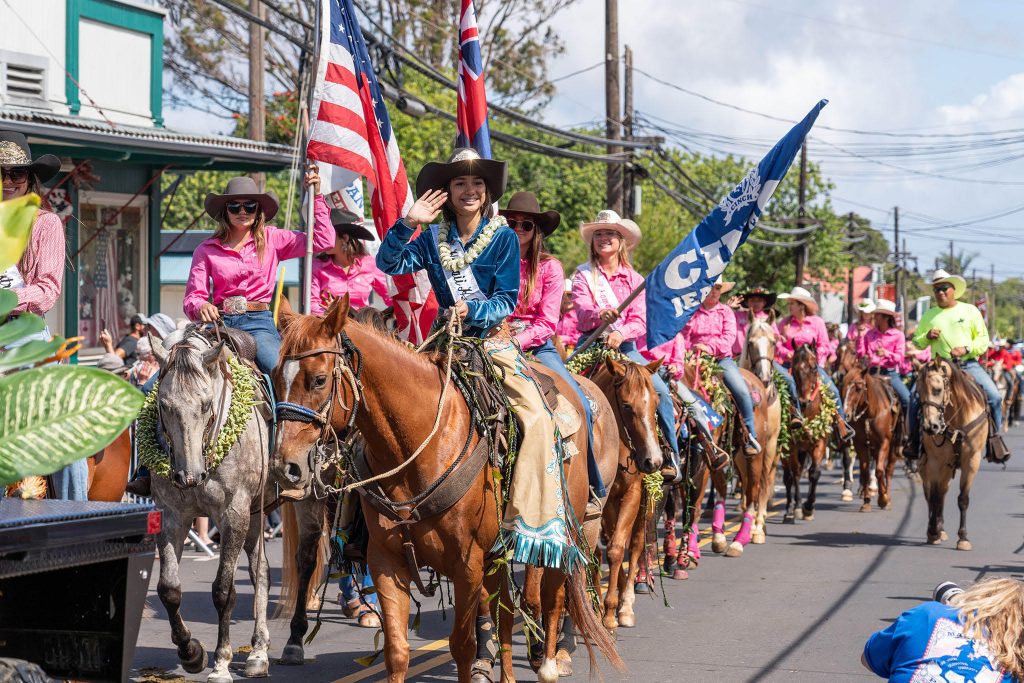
(12, 154)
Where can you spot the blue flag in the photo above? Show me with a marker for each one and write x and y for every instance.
(679, 284)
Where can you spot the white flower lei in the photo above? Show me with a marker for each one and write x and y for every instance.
(445, 249)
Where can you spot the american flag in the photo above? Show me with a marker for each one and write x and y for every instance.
(346, 97)
(472, 109)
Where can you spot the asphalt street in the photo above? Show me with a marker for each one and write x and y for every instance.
(796, 609)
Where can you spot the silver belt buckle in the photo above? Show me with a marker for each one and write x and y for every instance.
(235, 305)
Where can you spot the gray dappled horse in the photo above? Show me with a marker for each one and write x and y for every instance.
(193, 401)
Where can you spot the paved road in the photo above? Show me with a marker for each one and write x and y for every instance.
(796, 609)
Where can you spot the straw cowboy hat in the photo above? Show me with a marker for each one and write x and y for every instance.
(464, 161)
(15, 153)
(886, 307)
(959, 284)
(348, 223)
(769, 297)
(866, 306)
(241, 189)
(726, 287)
(803, 296)
(526, 203)
(609, 220)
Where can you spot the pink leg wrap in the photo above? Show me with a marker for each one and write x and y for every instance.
(693, 543)
(743, 536)
(718, 518)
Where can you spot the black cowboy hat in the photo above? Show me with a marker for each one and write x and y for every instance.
(464, 161)
(770, 297)
(241, 189)
(348, 223)
(526, 203)
(15, 153)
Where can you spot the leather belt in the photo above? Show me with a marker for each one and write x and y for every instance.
(236, 305)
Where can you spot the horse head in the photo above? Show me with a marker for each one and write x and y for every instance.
(636, 408)
(760, 349)
(854, 384)
(805, 373)
(933, 390)
(192, 401)
(312, 388)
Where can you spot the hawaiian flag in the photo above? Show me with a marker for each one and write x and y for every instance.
(472, 107)
(351, 132)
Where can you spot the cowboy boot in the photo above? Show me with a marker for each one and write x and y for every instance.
(141, 485)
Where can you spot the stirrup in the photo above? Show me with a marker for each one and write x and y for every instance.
(996, 450)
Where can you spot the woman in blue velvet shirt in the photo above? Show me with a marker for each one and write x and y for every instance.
(472, 262)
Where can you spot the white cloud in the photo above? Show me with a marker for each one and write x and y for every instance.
(1004, 99)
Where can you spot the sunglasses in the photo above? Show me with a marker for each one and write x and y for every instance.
(17, 175)
(239, 207)
(941, 288)
(526, 225)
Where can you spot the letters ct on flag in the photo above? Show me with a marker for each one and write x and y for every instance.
(679, 284)
(351, 131)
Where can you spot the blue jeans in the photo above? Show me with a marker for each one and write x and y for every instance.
(666, 413)
(547, 355)
(902, 392)
(72, 482)
(740, 392)
(260, 324)
(350, 592)
(791, 383)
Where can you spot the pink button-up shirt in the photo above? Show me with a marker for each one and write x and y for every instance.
(632, 324)
(241, 273)
(713, 327)
(742, 323)
(534, 321)
(566, 328)
(42, 266)
(883, 349)
(858, 330)
(358, 281)
(792, 333)
(672, 354)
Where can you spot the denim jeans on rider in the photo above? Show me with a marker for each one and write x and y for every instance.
(350, 592)
(260, 324)
(902, 392)
(72, 482)
(740, 391)
(547, 355)
(791, 383)
(666, 413)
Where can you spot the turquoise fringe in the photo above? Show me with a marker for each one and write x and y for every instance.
(549, 546)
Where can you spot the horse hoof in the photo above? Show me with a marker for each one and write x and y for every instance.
(220, 677)
(943, 536)
(564, 661)
(547, 673)
(197, 661)
(610, 623)
(735, 549)
(866, 507)
(887, 506)
(293, 655)
(847, 495)
(757, 538)
(934, 540)
(484, 678)
(680, 574)
(627, 620)
(257, 665)
(799, 513)
(963, 545)
(808, 516)
(641, 588)
(719, 543)
(789, 519)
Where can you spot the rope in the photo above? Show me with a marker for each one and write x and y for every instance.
(454, 329)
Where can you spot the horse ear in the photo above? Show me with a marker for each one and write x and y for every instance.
(285, 314)
(210, 357)
(159, 350)
(336, 315)
(771, 316)
(615, 367)
(653, 366)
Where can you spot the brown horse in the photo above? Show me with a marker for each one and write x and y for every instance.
(807, 450)
(954, 424)
(876, 417)
(109, 469)
(351, 375)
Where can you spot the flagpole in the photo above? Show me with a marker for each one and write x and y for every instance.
(307, 262)
(604, 326)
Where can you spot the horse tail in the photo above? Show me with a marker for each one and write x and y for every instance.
(584, 616)
(289, 563)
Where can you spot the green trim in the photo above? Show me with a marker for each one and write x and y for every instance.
(71, 57)
(153, 246)
(71, 229)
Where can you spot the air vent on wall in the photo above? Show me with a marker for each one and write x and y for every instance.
(23, 79)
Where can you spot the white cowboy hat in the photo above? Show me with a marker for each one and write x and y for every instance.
(959, 284)
(866, 306)
(803, 296)
(607, 220)
(885, 307)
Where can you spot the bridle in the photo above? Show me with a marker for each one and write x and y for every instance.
(860, 384)
(941, 407)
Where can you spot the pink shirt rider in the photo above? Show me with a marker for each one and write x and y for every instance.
(241, 273)
(792, 333)
(566, 328)
(858, 330)
(42, 266)
(882, 349)
(713, 327)
(672, 354)
(534, 321)
(358, 281)
(742, 323)
(632, 324)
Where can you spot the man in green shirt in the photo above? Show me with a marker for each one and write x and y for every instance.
(956, 330)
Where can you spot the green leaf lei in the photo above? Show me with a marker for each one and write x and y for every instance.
(820, 426)
(245, 388)
(583, 361)
(785, 438)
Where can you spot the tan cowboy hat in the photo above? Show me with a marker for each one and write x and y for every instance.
(464, 161)
(726, 287)
(959, 284)
(803, 296)
(15, 153)
(526, 203)
(239, 189)
(885, 307)
(866, 306)
(609, 220)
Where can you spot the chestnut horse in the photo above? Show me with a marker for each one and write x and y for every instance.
(109, 469)
(806, 450)
(875, 414)
(347, 374)
(954, 424)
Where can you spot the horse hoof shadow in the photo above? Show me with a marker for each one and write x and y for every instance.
(197, 661)
(293, 655)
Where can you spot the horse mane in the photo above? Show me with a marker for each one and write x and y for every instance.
(634, 379)
(186, 360)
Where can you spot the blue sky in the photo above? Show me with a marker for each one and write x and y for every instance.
(913, 66)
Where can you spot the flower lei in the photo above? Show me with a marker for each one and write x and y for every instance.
(820, 426)
(481, 243)
(245, 386)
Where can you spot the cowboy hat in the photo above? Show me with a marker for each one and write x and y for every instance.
(241, 189)
(526, 203)
(348, 223)
(608, 220)
(959, 284)
(464, 161)
(726, 287)
(866, 306)
(769, 297)
(885, 307)
(803, 296)
(15, 153)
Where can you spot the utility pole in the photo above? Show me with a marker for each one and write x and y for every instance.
(801, 251)
(613, 113)
(896, 248)
(257, 116)
(627, 126)
(849, 273)
(951, 258)
(992, 301)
